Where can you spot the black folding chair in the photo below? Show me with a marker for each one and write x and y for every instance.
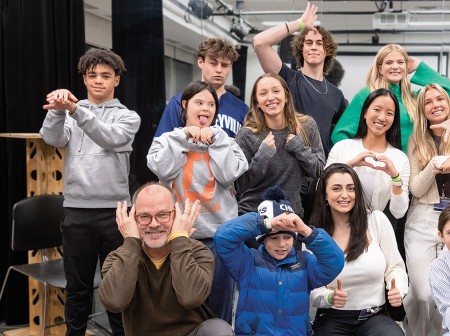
(36, 226)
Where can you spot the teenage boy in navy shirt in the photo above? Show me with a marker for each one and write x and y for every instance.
(215, 59)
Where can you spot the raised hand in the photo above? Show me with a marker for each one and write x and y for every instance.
(365, 158)
(193, 132)
(413, 63)
(126, 222)
(290, 222)
(292, 136)
(309, 16)
(198, 134)
(206, 134)
(185, 221)
(340, 296)
(445, 167)
(388, 166)
(394, 296)
(61, 100)
(270, 140)
(445, 126)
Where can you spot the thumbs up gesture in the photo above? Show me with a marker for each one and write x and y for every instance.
(340, 296)
(394, 296)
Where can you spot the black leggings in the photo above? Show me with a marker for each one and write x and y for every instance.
(334, 322)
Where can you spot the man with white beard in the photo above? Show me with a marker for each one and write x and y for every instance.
(160, 279)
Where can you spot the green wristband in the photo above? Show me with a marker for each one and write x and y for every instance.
(301, 24)
(397, 178)
(330, 298)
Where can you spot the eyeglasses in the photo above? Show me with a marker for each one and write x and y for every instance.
(162, 218)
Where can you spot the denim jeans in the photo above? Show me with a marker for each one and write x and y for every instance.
(88, 235)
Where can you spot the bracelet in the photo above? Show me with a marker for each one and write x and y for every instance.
(397, 183)
(301, 24)
(287, 28)
(397, 178)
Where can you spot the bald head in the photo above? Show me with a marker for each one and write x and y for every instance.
(151, 188)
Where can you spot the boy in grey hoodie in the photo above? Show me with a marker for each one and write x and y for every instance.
(97, 134)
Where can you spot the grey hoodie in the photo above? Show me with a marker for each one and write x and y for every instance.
(97, 141)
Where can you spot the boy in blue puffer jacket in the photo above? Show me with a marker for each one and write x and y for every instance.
(275, 281)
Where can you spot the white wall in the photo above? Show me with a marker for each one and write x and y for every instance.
(356, 65)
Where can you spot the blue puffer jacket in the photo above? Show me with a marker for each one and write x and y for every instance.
(274, 294)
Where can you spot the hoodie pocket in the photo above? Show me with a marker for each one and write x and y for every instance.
(97, 176)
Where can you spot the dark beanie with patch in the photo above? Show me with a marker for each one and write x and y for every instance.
(274, 204)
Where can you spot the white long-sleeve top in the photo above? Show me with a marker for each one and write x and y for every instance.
(364, 279)
(376, 180)
(440, 287)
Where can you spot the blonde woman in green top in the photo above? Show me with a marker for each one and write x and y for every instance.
(390, 71)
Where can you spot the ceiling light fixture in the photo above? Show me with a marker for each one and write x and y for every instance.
(239, 28)
(201, 8)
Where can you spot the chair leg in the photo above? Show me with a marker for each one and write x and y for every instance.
(4, 282)
(44, 311)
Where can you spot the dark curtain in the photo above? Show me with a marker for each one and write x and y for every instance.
(41, 42)
(138, 38)
(240, 70)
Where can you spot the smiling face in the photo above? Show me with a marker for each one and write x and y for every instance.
(393, 68)
(380, 115)
(313, 50)
(271, 98)
(200, 109)
(100, 83)
(436, 106)
(340, 193)
(279, 245)
(155, 200)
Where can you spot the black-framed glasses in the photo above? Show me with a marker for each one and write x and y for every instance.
(162, 218)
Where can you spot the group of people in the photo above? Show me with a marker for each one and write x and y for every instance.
(255, 205)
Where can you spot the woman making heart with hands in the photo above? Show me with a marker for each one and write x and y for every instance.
(375, 153)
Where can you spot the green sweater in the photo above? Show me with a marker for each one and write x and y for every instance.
(165, 302)
(348, 123)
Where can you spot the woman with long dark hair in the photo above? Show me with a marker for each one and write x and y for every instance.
(354, 303)
(375, 153)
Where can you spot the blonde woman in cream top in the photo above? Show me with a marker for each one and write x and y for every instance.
(428, 154)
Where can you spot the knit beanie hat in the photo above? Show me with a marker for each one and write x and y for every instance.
(275, 204)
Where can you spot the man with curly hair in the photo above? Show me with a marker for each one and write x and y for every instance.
(215, 59)
(314, 50)
(97, 134)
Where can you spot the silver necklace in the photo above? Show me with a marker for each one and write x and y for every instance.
(324, 80)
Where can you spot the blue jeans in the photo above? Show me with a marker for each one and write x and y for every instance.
(88, 235)
(222, 290)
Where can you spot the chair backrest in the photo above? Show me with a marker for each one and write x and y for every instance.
(36, 222)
